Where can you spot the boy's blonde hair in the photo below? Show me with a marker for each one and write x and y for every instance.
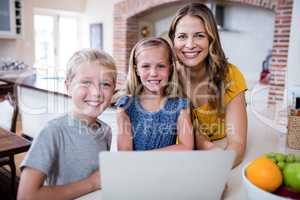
(87, 56)
(133, 86)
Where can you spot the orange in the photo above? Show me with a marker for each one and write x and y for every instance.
(264, 173)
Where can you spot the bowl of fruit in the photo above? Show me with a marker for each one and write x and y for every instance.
(274, 176)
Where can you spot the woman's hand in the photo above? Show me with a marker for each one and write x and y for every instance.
(202, 143)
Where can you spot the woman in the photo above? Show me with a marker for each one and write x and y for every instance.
(215, 87)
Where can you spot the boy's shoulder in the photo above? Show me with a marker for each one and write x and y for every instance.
(59, 121)
(51, 130)
(62, 123)
(54, 125)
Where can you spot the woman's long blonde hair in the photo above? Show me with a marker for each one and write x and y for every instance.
(134, 85)
(216, 63)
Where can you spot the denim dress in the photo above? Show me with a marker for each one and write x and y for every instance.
(152, 130)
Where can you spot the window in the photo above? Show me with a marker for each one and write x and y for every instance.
(96, 36)
(56, 39)
(44, 41)
(68, 39)
(219, 13)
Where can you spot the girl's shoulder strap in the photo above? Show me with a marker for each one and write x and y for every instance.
(178, 102)
(124, 101)
(183, 102)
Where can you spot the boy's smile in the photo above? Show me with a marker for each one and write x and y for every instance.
(93, 103)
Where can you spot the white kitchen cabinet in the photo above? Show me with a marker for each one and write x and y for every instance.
(11, 19)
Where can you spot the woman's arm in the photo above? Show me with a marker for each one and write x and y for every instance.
(31, 186)
(184, 133)
(236, 126)
(236, 129)
(124, 137)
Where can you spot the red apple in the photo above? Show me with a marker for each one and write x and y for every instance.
(287, 192)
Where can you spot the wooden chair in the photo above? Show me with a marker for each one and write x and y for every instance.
(8, 121)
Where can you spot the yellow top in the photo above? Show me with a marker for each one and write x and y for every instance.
(210, 123)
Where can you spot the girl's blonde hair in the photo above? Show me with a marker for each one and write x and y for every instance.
(87, 56)
(216, 62)
(134, 85)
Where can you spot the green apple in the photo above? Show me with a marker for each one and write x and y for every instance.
(271, 155)
(281, 165)
(291, 176)
(290, 158)
(280, 157)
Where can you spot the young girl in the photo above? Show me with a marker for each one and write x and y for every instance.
(62, 163)
(151, 116)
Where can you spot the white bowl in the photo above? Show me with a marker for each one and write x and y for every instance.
(255, 193)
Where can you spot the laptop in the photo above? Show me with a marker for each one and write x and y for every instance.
(165, 175)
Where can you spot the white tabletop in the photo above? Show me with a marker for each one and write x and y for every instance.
(261, 139)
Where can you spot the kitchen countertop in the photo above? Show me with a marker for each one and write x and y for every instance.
(29, 79)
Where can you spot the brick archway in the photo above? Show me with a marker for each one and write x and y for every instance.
(126, 15)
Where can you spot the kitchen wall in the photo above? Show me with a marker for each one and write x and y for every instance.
(249, 38)
(294, 49)
(99, 12)
(67, 5)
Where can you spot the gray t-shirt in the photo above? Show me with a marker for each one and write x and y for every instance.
(66, 150)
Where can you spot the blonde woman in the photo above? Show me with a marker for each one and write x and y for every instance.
(152, 116)
(215, 87)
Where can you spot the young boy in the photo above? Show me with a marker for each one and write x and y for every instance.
(62, 162)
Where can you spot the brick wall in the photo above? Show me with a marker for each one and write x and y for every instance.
(283, 16)
(126, 15)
